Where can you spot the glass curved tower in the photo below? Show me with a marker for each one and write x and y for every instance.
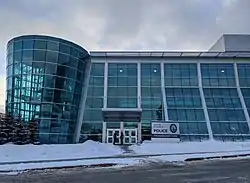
(45, 77)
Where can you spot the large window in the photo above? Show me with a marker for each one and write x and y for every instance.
(183, 100)
(224, 107)
(218, 75)
(122, 85)
(151, 96)
(180, 75)
(92, 122)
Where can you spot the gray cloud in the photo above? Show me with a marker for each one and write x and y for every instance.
(127, 24)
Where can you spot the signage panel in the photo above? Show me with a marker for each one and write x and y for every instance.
(161, 129)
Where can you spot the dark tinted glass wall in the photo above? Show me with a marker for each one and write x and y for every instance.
(184, 100)
(45, 76)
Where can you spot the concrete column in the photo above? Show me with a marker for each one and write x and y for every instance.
(122, 126)
(105, 99)
(139, 132)
(165, 107)
(104, 131)
(139, 85)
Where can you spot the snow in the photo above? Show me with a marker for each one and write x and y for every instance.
(151, 148)
(14, 153)
(105, 153)
(121, 162)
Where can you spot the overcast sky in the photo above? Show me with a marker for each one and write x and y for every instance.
(124, 24)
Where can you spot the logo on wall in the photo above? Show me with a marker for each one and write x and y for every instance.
(173, 128)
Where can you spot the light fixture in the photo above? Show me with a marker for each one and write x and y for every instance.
(120, 70)
(155, 70)
(222, 70)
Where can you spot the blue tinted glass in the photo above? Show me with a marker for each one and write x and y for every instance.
(18, 45)
(28, 44)
(53, 46)
(40, 44)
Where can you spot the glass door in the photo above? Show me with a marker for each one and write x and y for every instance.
(110, 136)
(130, 136)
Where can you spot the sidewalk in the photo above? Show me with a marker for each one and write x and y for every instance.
(126, 155)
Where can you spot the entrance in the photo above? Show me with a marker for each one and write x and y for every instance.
(125, 120)
(130, 136)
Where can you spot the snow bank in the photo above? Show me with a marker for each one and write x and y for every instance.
(12, 153)
(189, 147)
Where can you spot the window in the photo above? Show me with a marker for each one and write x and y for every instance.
(18, 45)
(53, 46)
(39, 55)
(40, 44)
(64, 48)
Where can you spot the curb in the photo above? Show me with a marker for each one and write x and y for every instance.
(56, 168)
(216, 157)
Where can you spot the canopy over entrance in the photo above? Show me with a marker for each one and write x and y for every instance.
(121, 114)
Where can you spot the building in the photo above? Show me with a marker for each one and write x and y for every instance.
(79, 95)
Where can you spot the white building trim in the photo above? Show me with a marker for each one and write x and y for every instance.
(165, 107)
(243, 104)
(82, 103)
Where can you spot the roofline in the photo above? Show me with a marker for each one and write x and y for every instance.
(163, 54)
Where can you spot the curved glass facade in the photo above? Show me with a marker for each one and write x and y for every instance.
(45, 79)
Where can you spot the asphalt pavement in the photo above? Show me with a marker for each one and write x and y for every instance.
(215, 171)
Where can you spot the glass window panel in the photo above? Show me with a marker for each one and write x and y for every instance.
(240, 115)
(73, 62)
(200, 115)
(28, 44)
(181, 114)
(17, 45)
(97, 69)
(179, 102)
(64, 48)
(193, 128)
(10, 47)
(27, 55)
(202, 128)
(190, 115)
(132, 91)
(63, 59)
(170, 102)
(177, 82)
(188, 102)
(212, 114)
(168, 82)
(51, 56)
(40, 44)
(243, 127)
(17, 57)
(53, 46)
(39, 55)
(51, 69)
(216, 128)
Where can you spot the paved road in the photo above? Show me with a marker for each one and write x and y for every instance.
(219, 171)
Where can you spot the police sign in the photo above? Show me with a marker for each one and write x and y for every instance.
(164, 129)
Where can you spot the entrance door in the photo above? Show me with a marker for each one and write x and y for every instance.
(110, 136)
(130, 136)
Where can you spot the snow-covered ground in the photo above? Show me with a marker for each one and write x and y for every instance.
(90, 149)
(14, 153)
(189, 147)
